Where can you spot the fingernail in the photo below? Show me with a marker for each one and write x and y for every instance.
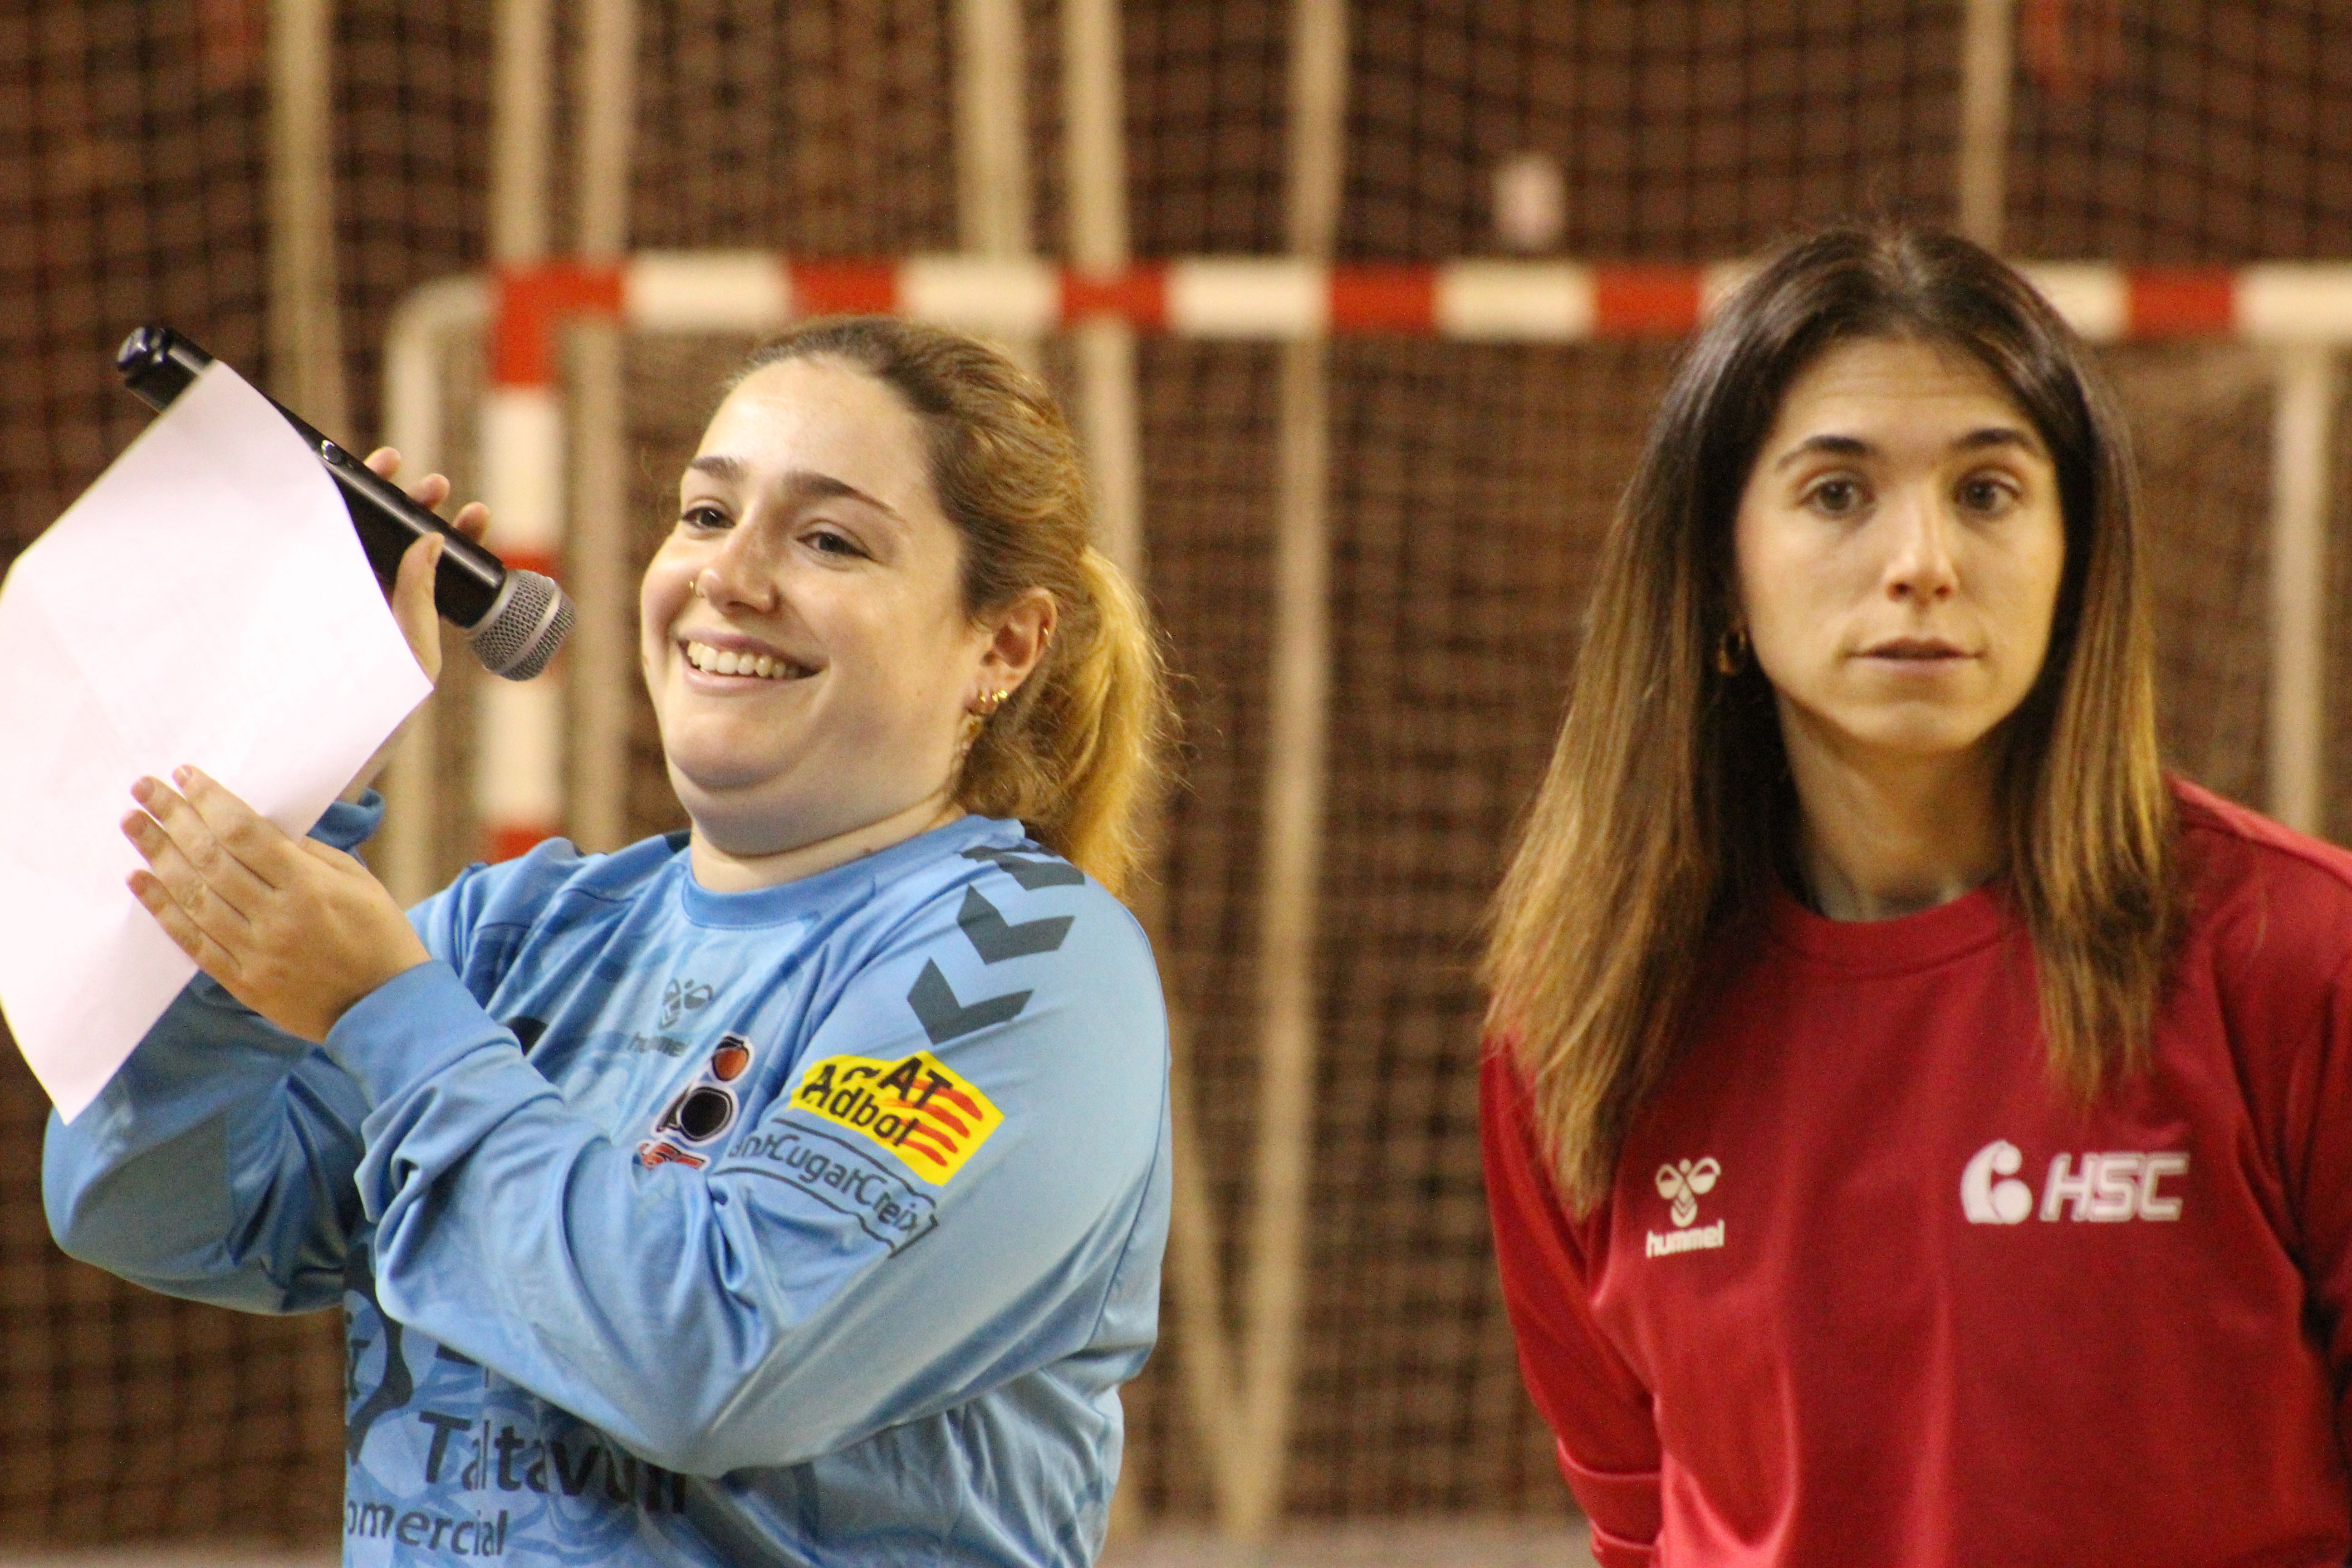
(142, 788)
(182, 774)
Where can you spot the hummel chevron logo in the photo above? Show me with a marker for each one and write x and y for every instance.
(945, 1018)
(1030, 874)
(998, 940)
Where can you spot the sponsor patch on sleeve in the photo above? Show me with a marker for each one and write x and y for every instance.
(917, 1106)
(843, 1178)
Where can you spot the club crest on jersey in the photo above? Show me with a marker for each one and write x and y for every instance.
(2106, 1188)
(702, 1112)
(1682, 1184)
(917, 1106)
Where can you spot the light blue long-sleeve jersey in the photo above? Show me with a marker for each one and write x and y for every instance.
(815, 1225)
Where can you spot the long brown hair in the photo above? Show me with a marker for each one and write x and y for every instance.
(1077, 752)
(1667, 811)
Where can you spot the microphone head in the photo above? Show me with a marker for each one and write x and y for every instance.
(158, 363)
(523, 626)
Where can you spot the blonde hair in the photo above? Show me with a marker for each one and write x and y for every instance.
(1077, 752)
(1667, 814)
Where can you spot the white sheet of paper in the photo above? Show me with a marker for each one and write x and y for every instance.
(206, 601)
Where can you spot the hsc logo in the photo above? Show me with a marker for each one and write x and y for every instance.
(2104, 1188)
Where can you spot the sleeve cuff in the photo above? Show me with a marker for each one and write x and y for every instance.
(409, 1029)
(1624, 1507)
(346, 825)
(1610, 1551)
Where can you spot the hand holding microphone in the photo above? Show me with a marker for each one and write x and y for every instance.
(515, 619)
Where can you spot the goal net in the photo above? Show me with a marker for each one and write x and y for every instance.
(1469, 487)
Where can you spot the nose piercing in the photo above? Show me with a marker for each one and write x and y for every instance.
(694, 586)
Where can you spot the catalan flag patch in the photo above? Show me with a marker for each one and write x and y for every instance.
(917, 1106)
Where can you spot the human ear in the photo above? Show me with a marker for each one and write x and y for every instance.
(1731, 650)
(1018, 637)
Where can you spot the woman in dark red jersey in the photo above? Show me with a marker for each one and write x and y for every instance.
(1916, 1130)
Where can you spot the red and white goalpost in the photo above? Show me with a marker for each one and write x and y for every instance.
(2302, 310)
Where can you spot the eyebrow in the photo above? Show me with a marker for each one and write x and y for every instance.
(799, 485)
(1992, 435)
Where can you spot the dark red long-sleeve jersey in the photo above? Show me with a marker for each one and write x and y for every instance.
(1870, 1288)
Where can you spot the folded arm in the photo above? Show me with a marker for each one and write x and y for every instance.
(817, 1282)
(1598, 1409)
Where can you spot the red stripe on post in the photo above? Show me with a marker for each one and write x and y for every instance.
(1383, 299)
(1138, 296)
(532, 302)
(1645, 301)
(844, 288)
(509, 840)
(2183, 302)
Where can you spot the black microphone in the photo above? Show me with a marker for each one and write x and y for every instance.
(515, 619)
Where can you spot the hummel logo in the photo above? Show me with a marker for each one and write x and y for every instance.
(683, 996)
(1685, 1185)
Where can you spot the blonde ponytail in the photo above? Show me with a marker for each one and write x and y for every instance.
(1078, 751)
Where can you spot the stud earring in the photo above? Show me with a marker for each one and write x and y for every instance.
(993, 701)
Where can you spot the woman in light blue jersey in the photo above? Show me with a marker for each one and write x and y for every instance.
(788, 1190)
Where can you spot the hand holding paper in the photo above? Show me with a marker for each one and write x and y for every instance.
(205, 602)
(294, 930)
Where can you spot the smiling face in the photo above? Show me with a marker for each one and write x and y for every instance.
(1898, 552)
(803, 629)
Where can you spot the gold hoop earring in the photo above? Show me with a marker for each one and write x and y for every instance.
(1731, 651)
